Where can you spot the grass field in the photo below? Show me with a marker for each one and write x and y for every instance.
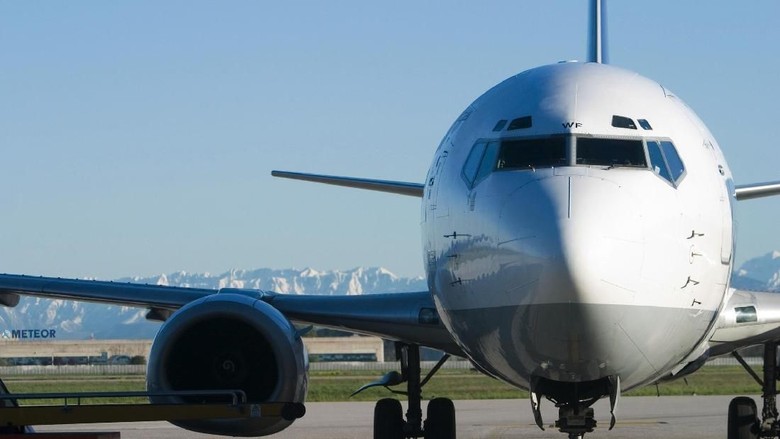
(451, 383)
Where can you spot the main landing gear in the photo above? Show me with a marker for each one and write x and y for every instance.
(743, 421)
(389, 421)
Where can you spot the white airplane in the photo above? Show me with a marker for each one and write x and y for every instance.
(578, 240)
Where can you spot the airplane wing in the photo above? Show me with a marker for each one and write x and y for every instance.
(750, 318)
(393, 187)
(151, 296)
(407, 317)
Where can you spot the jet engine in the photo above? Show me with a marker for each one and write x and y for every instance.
(229, 341)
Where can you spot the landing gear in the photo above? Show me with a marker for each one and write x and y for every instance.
(574, 400)
(743, 419)
(743, 422)
(441, 419)
(575, 420)
(388, 419)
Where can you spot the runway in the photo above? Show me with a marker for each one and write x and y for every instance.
(638, 417)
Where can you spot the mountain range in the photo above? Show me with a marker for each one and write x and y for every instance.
(80, 320)
(761, 273)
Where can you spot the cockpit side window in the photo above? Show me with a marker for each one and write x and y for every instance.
(471, 166)
(532, 153)
(488, 161)
(665, 161)
(676, 166)
(480, 162)
(657, 161)
(610, 152)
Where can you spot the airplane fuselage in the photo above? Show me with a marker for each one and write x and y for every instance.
(577, 224)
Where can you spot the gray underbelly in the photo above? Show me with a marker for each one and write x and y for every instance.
(579, 342)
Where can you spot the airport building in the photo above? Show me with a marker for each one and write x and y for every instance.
(21, 351)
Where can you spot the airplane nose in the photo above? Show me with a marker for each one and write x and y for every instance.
(584, 233)
(584, 238)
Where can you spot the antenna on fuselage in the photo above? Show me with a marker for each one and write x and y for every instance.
(597, 44)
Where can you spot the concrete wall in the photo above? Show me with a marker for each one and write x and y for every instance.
(74, 348)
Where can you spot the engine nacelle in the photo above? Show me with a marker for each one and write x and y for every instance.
(229, 341)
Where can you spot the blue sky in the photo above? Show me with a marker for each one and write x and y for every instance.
(138, 137)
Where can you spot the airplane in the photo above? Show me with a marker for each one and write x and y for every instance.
(578, 240)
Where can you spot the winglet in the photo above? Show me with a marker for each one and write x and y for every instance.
(393, 187)
(597, 44)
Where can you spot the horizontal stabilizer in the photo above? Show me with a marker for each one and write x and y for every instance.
(757, 190)
(393, 187)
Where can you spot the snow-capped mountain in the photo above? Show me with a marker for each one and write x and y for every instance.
(761, 273)
(309, 281)
(80, 320)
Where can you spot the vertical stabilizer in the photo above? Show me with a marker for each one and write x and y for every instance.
(597, 44)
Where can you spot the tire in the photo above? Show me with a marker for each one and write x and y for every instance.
(743, 421)
(441, 419)
(388, 419)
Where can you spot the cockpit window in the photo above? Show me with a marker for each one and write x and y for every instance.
(657, 161)
(481, 161)
(520, 123)
(472, 162)
(487, 156)
(676, 166)
(500, 125)
(610, 152)
(488, 161)
(665, 161)
(623, 122)
(645, 124)
(532, 153)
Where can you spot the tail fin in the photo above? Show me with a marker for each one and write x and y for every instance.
(597, 44)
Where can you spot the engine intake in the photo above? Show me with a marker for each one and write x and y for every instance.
(229, 342)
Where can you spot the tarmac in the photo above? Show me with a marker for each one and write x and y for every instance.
(646, 417)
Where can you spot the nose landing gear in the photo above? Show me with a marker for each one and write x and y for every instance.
(574, 400)
(575, 421)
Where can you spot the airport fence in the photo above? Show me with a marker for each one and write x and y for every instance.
(139, 369)
(731, 361)
(102, 369)
(464, 364)
(383, 366)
